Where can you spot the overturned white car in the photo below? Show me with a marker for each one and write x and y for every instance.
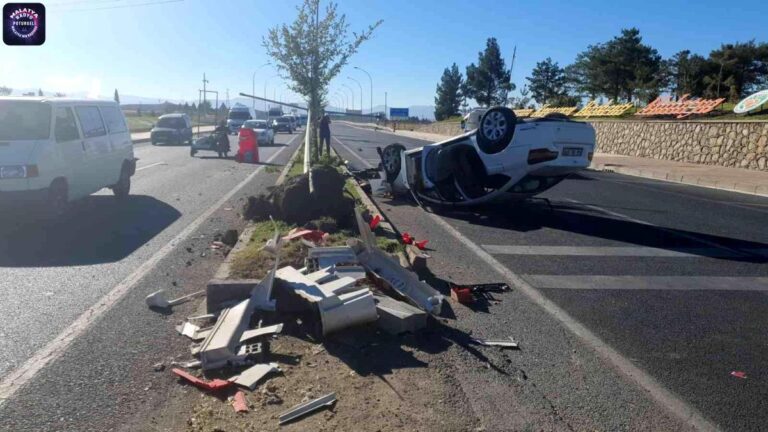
(503, 157)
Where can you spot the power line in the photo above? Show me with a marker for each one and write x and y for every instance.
(121, 6)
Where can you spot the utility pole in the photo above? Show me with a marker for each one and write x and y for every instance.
(386, 114)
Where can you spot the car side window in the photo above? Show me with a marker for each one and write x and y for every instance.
(90, 121)
(114, 119)
(65, 128)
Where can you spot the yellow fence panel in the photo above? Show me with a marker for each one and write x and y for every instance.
(546, 109)
(592, 109)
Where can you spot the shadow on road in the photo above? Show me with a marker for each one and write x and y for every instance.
(96, 230)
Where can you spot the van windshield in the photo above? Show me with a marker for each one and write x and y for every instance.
(239, 115)
(24, 120)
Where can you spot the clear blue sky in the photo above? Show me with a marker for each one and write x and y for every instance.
(162, 50)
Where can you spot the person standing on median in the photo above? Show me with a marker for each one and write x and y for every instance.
(325, 134)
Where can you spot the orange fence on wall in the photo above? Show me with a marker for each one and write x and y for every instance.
(685, 107)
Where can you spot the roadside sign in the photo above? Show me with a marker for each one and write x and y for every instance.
(751, 103)
(398, 113)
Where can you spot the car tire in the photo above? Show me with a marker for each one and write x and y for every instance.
(123, 186)
(391, 160)
(154, 143)
(58, 199)
(496, 129)
(192, 152)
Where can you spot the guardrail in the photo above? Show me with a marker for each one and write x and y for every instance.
(307, 149)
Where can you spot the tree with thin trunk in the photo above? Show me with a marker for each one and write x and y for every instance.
(312, 50)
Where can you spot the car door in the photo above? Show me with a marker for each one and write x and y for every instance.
(71, 150)
(97, 148)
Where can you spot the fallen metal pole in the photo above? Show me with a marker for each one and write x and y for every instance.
(307, 407)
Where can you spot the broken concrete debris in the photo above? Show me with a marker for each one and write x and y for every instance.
(397, 317)
(307, 407)
(261, 332)
(251, 376)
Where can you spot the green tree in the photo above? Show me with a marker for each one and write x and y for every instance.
(40, 92)
(618, 69)
(117, 97)
(448, 98)
(523, 101)
(737, 70)
(5, 91)
(547, 81)
(489, 82)
(312, 50)
(687, 72)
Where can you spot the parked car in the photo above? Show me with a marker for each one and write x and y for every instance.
(501, 157)
(172, 129)
(264, 134)
(283, 124)
(55, 150)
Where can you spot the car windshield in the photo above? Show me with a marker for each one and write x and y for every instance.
(239, 115)
(171, 122)
(24, 120)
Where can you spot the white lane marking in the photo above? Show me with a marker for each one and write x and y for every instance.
(17, 378)
(666, 283)
(685, 412)
(150, 166)
(658, 227)
(365, 162)
(621, 251)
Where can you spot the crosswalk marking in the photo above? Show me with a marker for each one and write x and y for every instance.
(668, 283)
(623, 251)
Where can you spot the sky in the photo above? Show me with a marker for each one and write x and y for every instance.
(160, 49)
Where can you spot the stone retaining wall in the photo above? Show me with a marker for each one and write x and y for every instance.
(728, 144)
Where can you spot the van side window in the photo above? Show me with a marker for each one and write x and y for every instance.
(90, 121)
(65, 128)
(114, 119)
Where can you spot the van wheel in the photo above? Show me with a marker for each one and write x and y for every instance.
(123, 187)
(58, 199)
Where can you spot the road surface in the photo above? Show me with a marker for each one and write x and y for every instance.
(55, 276)
(671, 277)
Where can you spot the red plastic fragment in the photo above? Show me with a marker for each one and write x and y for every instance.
(239, 403)
(375, 222)
(739, 374)
(213, 385)
(407, 239)
(422, 244)
(462, 294)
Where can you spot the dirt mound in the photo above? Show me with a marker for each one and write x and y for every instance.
(293, 203)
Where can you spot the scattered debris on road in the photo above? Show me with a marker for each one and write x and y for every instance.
(213, 385)
(503, 343)
(158, 300)
(307, 407)
(240, 403)
(739, 374)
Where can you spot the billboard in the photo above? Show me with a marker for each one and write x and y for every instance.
(398, 113)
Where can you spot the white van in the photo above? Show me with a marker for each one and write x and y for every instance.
(56, 150)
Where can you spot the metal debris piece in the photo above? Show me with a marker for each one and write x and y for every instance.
(322, 257)
(240, 403)
(193, 331)
(222, 343)
(397, 317)
(307, 407)
(157, 299)
(194, 364)
(260, 332)
(504, 343)
(213, 385)
(251, 376)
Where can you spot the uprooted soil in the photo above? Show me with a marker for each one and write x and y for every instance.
(293, 202)
(382, 383)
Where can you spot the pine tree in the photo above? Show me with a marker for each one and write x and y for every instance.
(448, 98)
(40, 92)
(546, 81)
(117, 97)
(489, 82)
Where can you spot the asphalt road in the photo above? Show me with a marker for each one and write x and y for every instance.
(673, 277)
(53, 274)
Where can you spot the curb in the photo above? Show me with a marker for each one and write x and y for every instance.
(745, 188)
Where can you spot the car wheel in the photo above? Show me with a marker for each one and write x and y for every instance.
(154, 143)
(192, 152)
(391, 160)
(497, 126)
(123, 187)
(58, 199)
